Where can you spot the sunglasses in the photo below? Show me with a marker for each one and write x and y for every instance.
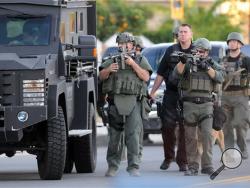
(200, 51)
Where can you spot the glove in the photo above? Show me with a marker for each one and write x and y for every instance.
(183, 59)
(205, 64)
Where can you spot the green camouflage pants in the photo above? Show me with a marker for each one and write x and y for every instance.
(237, 110)
(131, 129)
(198, 134)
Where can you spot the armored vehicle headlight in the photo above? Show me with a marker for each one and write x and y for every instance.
(22, 116)
(33, 92)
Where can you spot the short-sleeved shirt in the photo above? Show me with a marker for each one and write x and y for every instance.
(167, 65)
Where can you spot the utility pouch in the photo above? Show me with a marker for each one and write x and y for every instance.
(146, 108)
(219, 117)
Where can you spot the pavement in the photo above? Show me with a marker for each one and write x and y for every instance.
(102, 136)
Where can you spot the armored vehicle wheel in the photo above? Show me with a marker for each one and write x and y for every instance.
(85, 147)
(51, 161)
(69, 162)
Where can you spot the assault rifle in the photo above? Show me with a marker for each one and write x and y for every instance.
(192, 58)
(121, 56)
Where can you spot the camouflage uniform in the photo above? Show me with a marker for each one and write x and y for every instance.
(197, 87)
(235, 98)
(126, 96)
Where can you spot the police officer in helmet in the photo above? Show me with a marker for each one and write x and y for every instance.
(235, 94)
(126, 88)
(198, 79)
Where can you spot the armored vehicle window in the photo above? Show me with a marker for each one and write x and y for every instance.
(81, 22)
(25, 31)
(72, 22)
(62, 32)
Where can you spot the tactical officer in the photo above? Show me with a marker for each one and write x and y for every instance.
(235, 94)
(124, 81)
(169, 115)
(198, 78)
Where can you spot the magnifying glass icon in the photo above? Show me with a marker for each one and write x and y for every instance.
(231, 158)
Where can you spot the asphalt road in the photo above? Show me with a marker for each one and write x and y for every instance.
(21, 171)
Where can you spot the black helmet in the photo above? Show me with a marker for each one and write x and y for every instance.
(125, 37)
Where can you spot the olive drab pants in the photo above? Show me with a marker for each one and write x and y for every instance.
(198, 134)
(131, 129)
(237, 110)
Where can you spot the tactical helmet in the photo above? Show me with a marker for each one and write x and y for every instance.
(235, 36)
(202, 43)
(138, 42)
(124, 37)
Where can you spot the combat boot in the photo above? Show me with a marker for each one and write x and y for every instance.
(183, 168)
(191, 172)
(134, 172)
(165, 165)
(111, 172)
(208, 170)
(244, 154)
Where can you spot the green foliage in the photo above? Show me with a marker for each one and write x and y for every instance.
(163, 34)
(117, 16)
(206, 24)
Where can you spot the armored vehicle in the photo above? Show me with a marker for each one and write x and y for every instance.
(48, 83)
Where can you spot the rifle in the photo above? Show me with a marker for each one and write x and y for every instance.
(236, 73)
(192, 58)
(121, 55)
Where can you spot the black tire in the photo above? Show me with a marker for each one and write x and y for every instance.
(51, 161)
(69, 162)
(85, 149)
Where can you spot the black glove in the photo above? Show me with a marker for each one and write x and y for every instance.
(183, 59)
(204, 64)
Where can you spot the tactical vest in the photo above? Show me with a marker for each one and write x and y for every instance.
(199, 82)
(125, 81)
(240, 80)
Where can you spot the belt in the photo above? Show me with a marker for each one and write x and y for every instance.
(197, 100)
(234, 93)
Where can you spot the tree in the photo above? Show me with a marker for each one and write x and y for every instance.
(118, 16)
(207, 24)
(204, 22)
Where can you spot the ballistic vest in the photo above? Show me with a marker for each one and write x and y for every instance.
(239, 80)
(125, 81)
(199, 82)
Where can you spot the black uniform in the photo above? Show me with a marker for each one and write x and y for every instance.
(169, 114)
